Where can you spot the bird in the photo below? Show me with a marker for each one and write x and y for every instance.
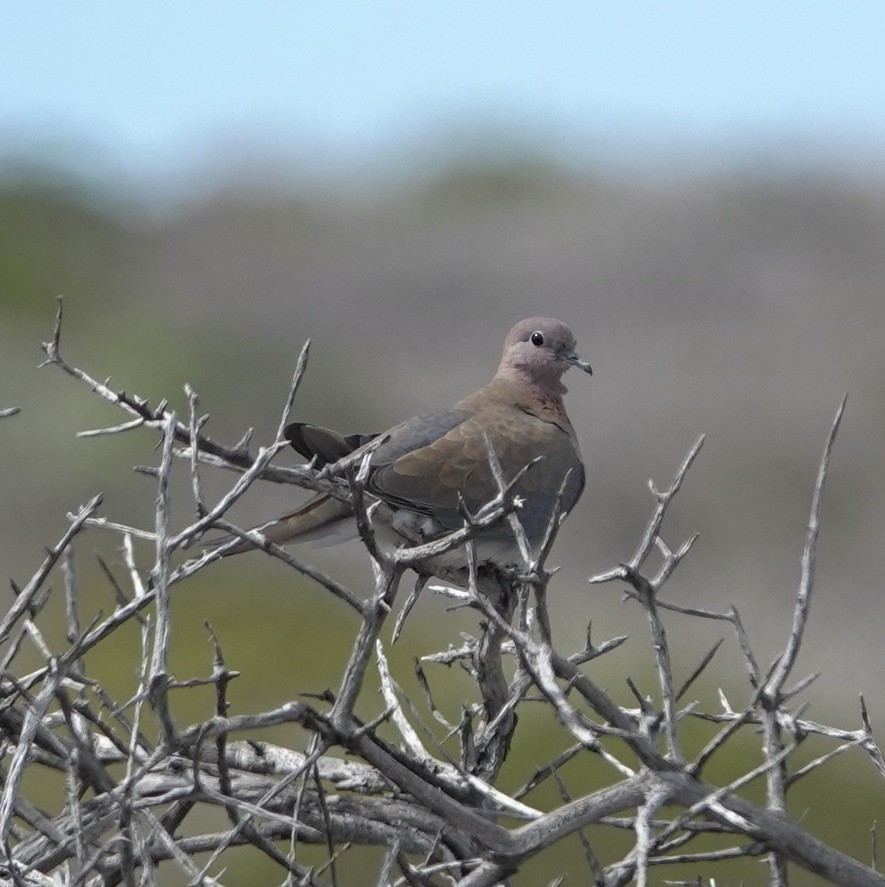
(425, 471)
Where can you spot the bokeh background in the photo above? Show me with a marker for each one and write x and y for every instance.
(696, 188)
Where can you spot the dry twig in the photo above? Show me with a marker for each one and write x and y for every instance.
(134, 776)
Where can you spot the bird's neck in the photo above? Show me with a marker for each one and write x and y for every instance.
(544, 398)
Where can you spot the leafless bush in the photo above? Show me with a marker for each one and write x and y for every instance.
(441, 820)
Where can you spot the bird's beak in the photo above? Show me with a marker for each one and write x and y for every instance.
(575, 359)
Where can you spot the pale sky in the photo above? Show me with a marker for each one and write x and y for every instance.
(150, 86)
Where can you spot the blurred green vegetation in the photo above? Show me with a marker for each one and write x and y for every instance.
(223, 293)
(51, 241)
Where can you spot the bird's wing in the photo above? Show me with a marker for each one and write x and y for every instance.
(433, 477)
(430, 463)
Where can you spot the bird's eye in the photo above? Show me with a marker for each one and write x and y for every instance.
(537, 338)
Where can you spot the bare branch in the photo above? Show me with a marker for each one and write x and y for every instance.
(24, 599)
(437, 811)
(809, 559)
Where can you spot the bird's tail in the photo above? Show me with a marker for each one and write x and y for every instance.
(323, 520)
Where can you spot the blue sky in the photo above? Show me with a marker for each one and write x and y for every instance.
(147, 88)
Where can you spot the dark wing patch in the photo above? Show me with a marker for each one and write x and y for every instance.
(326, 445)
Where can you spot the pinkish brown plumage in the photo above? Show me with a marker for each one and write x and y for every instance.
(430, 464)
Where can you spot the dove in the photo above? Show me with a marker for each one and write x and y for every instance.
(425, 471)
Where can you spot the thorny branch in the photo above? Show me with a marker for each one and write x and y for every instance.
(423, 789)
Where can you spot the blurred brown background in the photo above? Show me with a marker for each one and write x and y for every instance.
(738, 296)
(741, 309)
